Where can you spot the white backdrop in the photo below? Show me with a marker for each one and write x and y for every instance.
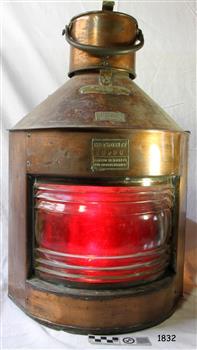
(35, 62)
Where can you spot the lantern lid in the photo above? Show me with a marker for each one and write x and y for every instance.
(84, 103)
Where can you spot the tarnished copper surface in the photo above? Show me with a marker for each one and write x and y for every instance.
(83, 61)
(104, 27)
(68, 108)
(180, 250)
(92, 312)
(18, 234)
(70, 153)
(107, 29)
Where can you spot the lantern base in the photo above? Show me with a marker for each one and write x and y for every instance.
(100, 311)
(101, 331)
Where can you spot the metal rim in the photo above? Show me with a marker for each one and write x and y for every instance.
(89, 13)
(95, 69)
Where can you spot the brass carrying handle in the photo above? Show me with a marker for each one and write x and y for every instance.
(105, 51)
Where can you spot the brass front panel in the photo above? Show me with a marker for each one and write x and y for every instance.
(150, 153)
(110, 154)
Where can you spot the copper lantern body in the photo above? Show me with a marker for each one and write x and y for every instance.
(98, 192)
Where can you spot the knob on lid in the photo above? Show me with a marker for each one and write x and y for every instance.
(103, 39)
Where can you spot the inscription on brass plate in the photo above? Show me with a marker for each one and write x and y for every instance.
(110, 154)
(104, 89)
(110, 116)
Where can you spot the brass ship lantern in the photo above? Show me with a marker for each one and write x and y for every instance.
(98, 192)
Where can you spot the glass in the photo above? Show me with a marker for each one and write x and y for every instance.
(103, 234)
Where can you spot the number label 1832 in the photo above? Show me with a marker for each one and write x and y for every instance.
(166, 337)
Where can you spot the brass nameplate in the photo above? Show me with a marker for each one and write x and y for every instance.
(110, 154)
(110, 116)
(104, 89)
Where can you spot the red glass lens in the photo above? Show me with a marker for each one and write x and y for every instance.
(102, 234)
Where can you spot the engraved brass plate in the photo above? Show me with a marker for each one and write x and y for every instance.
(104, 89)
(110, 116)
(110, 154)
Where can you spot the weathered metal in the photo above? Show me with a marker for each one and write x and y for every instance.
(103, 39)
(74, 106)
(58, 142)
